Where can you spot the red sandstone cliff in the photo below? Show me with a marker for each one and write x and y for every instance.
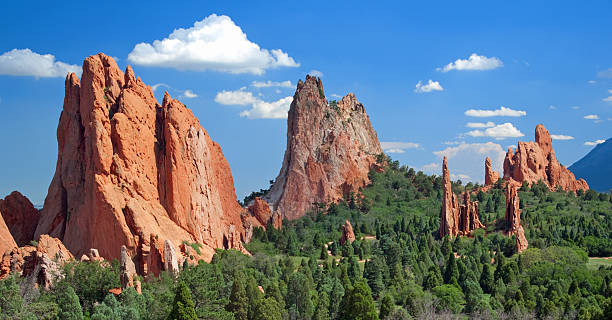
(491, 176)
(330, 150)
(456, 219)
(20, 217)
(6, 239)
(513, 218)
(534, 161)
(128, 168)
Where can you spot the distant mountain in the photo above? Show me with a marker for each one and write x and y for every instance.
(596, 167)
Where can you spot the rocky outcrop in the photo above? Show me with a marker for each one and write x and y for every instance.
(128, 167)
(170, 258)
(20, 217)
(127, 269)
(261, 211)
(347, 233)
(535, 161)
(6, 239)
(330, 150)
(456, 219)
(513, 218)
(491, 176)
(40, 264)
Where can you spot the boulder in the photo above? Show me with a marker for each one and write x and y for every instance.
(20, 217)
(535, 161)
(129, 167)
(331, 147)
(261, 210)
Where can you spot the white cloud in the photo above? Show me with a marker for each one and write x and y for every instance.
(468, 159)
(608, 99)
(337, 96)
(236, 98)
(480, 124)
(398, 147)
(215, 43)
(260, 109)
(592, 81)
(460, 176)
(158, 85)
(605, 73)
(474, 62)
(551, 107)
(189, 94)
(25, 62)
(501, 131)
(429, 87)
(432, 168)
(594, 143)
(316, 73)
(268, 84)
(591, 117)
(561, 137)
(501, 112)
(268, 110)
(575, 107)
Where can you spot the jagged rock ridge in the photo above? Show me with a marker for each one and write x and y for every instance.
(128, 168)
(330, 150)
(534, 161)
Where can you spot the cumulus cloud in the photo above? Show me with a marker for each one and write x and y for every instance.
(605, 73)
(432, 168)
(499, 132)
(316, 73)
(608, 99)
(501, 112)
(575, 107)
(474, 62)
(268, 84)
(592, 81)
(260, 109)
(551, 107)
(594, 143)
(189, 94)
(429, 87)
(468, 159)
(591, 117)
(561, 137)
(215, 43)
(183, 93)
(398, 147)
(480, 124)
(25, 62)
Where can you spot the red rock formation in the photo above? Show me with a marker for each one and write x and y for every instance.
(128, 167)
(455, 219)
(513, 218)
(534, 161)
(330, 150)
(20, 216)
(347, 233)
(41, 265)
(261, 210)
(450, 206)
(491, 176)
(6, 239)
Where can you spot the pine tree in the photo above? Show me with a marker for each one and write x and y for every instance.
(239, 302)
(386, 306)
(322, 310)
(183, 306)
(358, 304)
(68, 301)
(451, 270)
(486, 279)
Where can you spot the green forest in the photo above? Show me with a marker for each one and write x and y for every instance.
(397, 268)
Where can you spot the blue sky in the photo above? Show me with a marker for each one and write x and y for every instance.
(544, 62)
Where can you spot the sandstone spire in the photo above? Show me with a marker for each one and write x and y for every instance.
(491, 176)
(128, 167)
(534, 161)
(513, 218)
(6, 239)
(20, 216)
(347, 233)
(330, 150)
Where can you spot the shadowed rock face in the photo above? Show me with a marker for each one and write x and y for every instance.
(128, 167)
(534, 161)
(20, 216)
(330, 150)
(456, 219)
(513, 218)
(6, 239)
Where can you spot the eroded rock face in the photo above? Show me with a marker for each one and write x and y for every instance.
(170, 258)
(20, 216)
(6, 239)
(127, 269)
(513, 218)
(456, 219)
(40, 265)
(128, 167)
(330, 150)
(534, 161)
(491, 176)
(347, 233)
(261, 210)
